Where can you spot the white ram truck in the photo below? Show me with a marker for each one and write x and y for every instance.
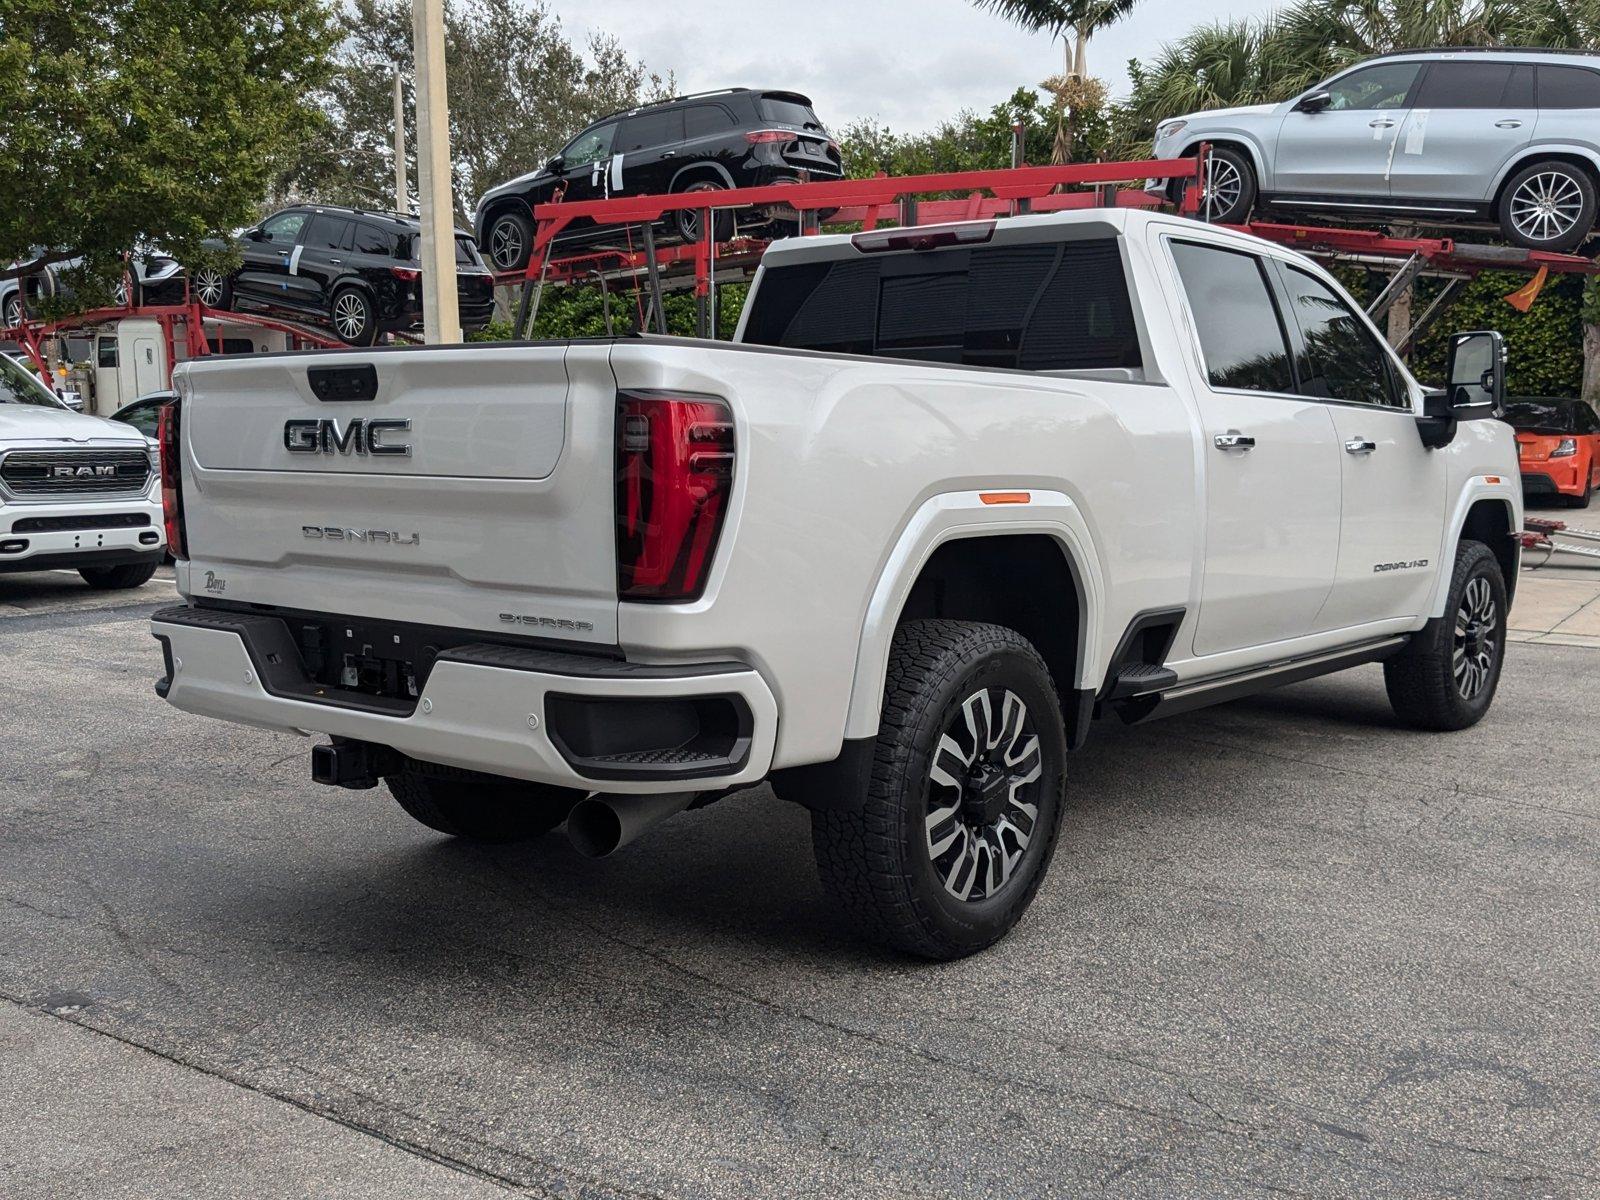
(952, 494)
(76, 491)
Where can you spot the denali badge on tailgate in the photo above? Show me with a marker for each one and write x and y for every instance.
(322, 435)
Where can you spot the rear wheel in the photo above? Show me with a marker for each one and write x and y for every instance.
(946, 850)
(353, 319)
(1548, 205)
(478, 807)
(130, 575)
(689, 219)
(1446, 678)
(11, 309)
(510, 241)
(1582, 499)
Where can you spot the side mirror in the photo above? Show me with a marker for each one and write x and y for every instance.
(1313, 102)
(556, 163)
(257, 235)
(1476, 375)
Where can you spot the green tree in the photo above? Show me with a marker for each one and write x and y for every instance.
(518, 88)
(132, 123)
(1074, 22)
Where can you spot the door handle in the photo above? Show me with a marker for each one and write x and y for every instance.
(1233, 440)
(336, 261)
(1508, 123)
(1381, 123)
(669, 154)
(1360, 445)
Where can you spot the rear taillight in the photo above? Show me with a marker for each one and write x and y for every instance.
(168, 425)
(675, 459)
(406, 274)
(757, 137)
(1565, 448)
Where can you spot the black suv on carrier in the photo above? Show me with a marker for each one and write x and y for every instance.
(739, 137)
(359, 272)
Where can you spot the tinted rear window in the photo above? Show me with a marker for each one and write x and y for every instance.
(1047, 307)
(702, 120)
(783, 111)
(325, 232)
(651, 129)
(1534, 415)
(467, 252)
(1464, 85)
(1568, 87)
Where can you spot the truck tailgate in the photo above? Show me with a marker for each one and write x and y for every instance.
(473, 489)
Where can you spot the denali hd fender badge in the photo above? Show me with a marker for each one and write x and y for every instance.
(322, 435)
(343, 533)
(548, 622)
(1414, 565)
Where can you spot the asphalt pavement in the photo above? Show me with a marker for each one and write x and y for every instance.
(1285, 947)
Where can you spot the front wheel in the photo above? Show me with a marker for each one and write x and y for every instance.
(478, 807)
(130, 575)
(1230, 192)
(1446, 678)
(11, 310)
(1548, 205)
(945, 852)
(510, 241)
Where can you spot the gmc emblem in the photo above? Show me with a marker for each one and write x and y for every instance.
(98, 471)
(322, 435)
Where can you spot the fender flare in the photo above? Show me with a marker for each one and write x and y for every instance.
(1231, 139)
(1507, 492)
(1531, 154)
(703, 165)
(947, 517)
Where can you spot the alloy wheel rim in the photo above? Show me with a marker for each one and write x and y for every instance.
(208, 285)
(350, 315)
(983, 795)
(1224, 185)
(13, 310)
(505, 245)
(1477, 639)
(1546, 206)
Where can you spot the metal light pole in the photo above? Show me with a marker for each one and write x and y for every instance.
(441, 314)
(402, 198)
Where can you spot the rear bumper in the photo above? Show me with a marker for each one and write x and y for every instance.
(1568, 482)
(484, 707)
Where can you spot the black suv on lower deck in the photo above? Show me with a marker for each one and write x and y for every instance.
(359, 272)
(740, 137)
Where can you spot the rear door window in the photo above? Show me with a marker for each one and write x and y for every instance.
(1568, 87)
(1464, 85)
(651, 129)
(1242, 335)
(324, 232)
(1041, 307)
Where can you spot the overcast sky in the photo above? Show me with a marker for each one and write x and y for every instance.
(909, 63)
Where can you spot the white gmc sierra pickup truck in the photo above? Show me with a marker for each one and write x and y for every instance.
(75, 491)
(951, 494)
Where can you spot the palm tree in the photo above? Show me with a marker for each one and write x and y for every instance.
(1074, 22)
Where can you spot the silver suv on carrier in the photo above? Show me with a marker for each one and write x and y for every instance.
(1441, 137)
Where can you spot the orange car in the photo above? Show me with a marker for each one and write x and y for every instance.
(1558, 441)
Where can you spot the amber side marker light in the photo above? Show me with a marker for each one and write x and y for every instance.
(1491, 479)
(1005, 497)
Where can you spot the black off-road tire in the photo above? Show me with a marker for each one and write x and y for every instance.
(479, 807)
(875, 860)
(1421, 679)
(129, 575)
